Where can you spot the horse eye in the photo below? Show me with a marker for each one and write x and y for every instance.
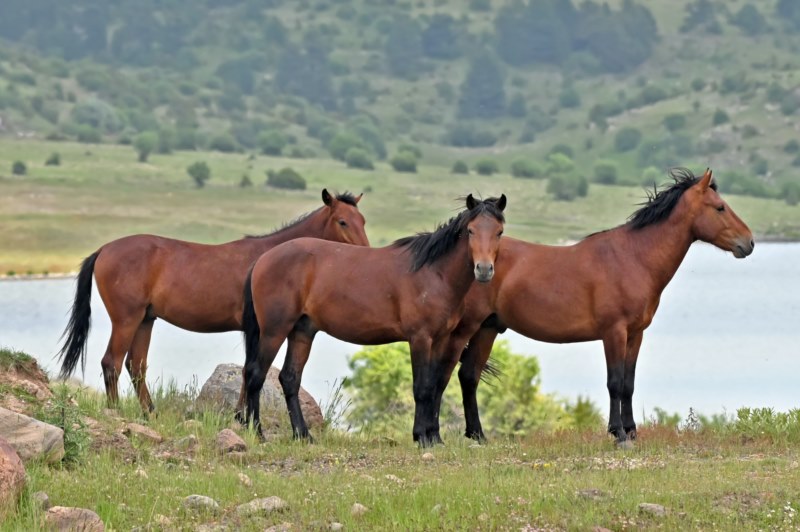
(721, 208)
(500, 234)
(469, 231)
(342, 223)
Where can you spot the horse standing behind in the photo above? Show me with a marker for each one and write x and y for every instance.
(412, 290)
(197, 287)
(606, 287)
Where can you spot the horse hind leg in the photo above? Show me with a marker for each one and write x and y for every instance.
(122, 334)
(473, 361)
(632, 355)
(299, 348)
(254, 374)
(136, 364)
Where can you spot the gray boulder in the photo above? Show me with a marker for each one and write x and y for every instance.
(221, 392)
(31, 438)
(12, 478)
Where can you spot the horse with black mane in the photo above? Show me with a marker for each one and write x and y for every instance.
(197, 287)
(606, 287)
(411, 290)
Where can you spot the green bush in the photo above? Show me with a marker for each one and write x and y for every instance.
(749, 131)
(53, 160)
(381, 391)
(245, 181)
(720, 117)
(223, 142)
(465, 135)
(698, 84)
(286, 178)
(674, 121)
(792, 146)
(791, 193)
(627, 139)
(19, 168)
(651, 177)
(569, 98)
(404, 161)
(342, 142)
(88, 135)
(796, 161)
(358, 158)
(460, 167)
(486, 166)
(145, 143)
(272, 142)
(563, 148)
(558, 163)
(411, 148)
(525, 168)
(200, 172)
(567, 187)
(605, 172)
(741, 184)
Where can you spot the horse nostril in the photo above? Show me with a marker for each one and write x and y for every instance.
(752, 244)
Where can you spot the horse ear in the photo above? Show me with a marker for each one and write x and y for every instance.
(358, 198)
(706, 180)
(501, 203)
(471, 202)
(327, 199)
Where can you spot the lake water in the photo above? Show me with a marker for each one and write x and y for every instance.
(725, 336)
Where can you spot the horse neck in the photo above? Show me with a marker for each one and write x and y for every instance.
(457, 268)
(661, 248)
(312, 225)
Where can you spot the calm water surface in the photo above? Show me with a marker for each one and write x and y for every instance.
(725, 336)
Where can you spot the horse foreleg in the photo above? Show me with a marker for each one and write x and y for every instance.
(136, 364)
(291, 374)
(121, 338)
(425, 382)
(615, 343)
(473, 361)
(628, 424)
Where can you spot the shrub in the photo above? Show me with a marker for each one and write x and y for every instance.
(791, 146)
(342, 142)
(469, 136)
(88, 134)
(791, 193)
(286, 178)
(567, 187)
(223, 142)
(245, 182)
(569, 98)
(404, 161)
(486, 166)
(605, 172)
(525, 168)
(563, 148)
(358, 158)
(674, 121)
(558, 163)
(415, 150)
(53, 160)
(796, 161)
(651, 177)
(145, 143)
(698, 84)
(200, 172)
(749, 131)
(460, 167)
(19, 168)
(720, 117)
(272, 142)
(627, 139)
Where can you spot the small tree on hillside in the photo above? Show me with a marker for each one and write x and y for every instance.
(144, 144)
(200, 172)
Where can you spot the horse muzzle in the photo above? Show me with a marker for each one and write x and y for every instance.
(743, 247)
(484, 272)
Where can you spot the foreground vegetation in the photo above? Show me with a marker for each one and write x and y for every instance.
(723, 475)
(55, 215)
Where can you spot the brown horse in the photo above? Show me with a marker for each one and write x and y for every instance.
(412, 290)
(197, 287)
(606, 287)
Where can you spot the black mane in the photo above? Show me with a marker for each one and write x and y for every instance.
(660, 203)
(427, 248)
(345, 197)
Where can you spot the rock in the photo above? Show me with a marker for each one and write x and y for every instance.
(336, 526)
(262, 506)
(652, 509)
(200, 502)
(188, 443)
(191, 424)
(245, 480)
(358, 509)
(428, 457)
(31, 438)
(135, 430)
(41, 501)
(26, 385)
(436, 509)
(140, 472)
(591, 493)
(221, 390)
(598, 528)
(12, 477)
(64, 518)
(162, 520)
(228, 442)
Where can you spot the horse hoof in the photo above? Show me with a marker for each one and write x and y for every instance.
(625, 445)
(239, 416)
(631, 434)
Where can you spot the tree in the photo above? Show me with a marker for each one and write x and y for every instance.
(19, 168)
(200, 172)
(533, 33)
(306, 74)
(404, 161)
(674, 122)
(358, 158)
(627, 139)
(750, 20)
(403, 48)
(486, 166)
(145, 143)
(605, 172)
(482, 92)
(286, 178)
(440, 39)
(272, 142)
(525, 168)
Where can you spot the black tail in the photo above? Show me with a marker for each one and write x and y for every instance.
(80, 320)
(249, 322)
(491, 371)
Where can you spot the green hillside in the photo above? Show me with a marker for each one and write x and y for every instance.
(702, 82)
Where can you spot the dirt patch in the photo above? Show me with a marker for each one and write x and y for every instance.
(23, 384)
